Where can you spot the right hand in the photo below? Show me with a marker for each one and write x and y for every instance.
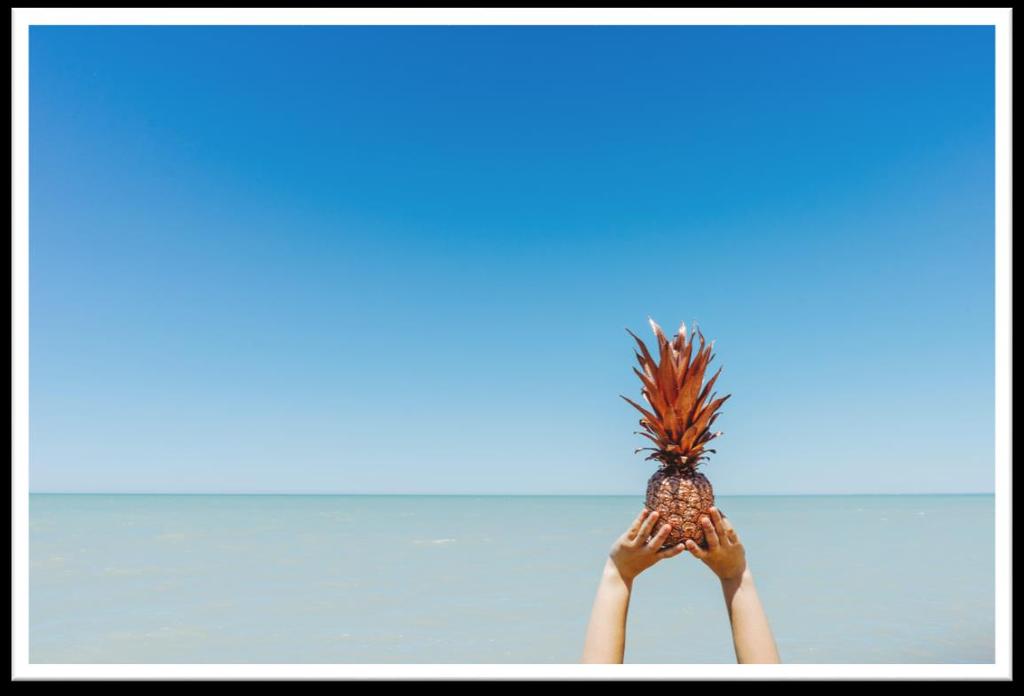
(725, 555)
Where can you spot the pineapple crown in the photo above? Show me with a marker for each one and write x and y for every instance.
(682, 412)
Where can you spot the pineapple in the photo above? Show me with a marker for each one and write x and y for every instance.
(682, 410)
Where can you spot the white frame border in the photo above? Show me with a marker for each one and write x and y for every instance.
(999, 18)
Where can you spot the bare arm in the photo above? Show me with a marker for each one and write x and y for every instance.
(630, 555)
(606, 632)
(751, 634)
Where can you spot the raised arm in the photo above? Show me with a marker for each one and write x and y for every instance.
(630, 555)
(751, 634)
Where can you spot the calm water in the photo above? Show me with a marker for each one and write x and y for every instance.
(490, 579)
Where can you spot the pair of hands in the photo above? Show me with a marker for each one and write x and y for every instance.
(631, 555)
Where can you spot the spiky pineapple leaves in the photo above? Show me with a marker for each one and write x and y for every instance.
(681, 411)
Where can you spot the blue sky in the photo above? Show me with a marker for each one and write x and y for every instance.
(401, 259)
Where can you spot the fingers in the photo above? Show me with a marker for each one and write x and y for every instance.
(658, 539)
(697, 551)
(721, 526)
(730, 532)
(674, 551)
(635, 527)
(709, 533)
(645, 527)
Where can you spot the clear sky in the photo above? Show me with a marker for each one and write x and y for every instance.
(401, 259)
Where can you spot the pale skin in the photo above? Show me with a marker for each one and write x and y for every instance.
(630, 555)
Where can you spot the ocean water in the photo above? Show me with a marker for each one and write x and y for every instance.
(435, 579)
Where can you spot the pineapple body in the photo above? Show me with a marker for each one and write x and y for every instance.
(680, 497)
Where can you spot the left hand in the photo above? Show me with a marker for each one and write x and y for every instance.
(630, 555)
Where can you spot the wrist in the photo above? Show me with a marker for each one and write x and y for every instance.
(744, 577)
(612, 574)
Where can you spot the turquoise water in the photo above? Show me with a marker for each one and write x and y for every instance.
(363, 579)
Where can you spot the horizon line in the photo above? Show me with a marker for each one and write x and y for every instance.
(487, 495)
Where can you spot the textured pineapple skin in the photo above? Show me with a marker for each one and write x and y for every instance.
(680, 498)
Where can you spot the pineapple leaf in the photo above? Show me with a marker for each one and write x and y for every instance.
(643, 349)
(682, 405)
(650, 420)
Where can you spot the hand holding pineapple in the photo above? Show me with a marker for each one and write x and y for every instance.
(724, 555)
(637, 550)
(751, 635)
(631, 554)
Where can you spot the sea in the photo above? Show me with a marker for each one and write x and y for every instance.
(491, 579)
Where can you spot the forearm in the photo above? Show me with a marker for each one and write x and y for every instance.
(606, 632)
(751, 634)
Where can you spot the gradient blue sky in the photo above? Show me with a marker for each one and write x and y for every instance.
(401, 259)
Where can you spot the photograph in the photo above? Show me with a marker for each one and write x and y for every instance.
(476, 344)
